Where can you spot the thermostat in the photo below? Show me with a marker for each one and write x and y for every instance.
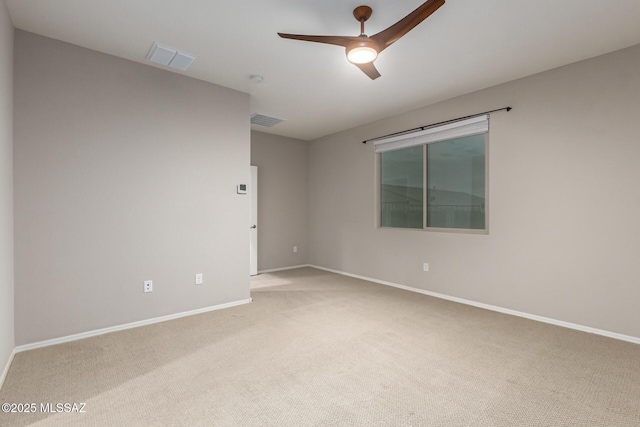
(242, 188)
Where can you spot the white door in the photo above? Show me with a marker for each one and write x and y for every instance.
(253, 225)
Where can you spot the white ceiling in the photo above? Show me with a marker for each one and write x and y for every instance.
(464, 46)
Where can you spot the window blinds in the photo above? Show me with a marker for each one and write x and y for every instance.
(459, 129)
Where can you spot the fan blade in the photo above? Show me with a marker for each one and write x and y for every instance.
(335, 40)
(369, 69)
(387, 37)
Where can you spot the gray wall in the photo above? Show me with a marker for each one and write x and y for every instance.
(563, 181)
(6, 188)
(123, 172)
(282, 199)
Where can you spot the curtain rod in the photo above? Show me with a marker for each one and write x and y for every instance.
(435, 124)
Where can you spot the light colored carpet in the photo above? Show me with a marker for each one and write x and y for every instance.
(319, 349)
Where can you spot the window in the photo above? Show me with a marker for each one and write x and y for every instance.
(402, 188)
(436, 178)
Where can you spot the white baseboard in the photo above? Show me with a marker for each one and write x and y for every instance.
(127, 326)
(273, 270)
(635, 340)
(6, 368)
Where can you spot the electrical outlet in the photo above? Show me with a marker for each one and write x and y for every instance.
(295, 249)
(148, 285)
(425, 267)
(199, 279)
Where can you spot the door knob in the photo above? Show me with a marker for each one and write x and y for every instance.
(254, 226)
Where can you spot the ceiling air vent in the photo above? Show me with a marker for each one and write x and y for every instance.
(167, 55)
(262, 120)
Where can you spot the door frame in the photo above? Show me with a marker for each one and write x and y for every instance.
(253, 222)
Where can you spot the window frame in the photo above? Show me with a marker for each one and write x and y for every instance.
(425, 213)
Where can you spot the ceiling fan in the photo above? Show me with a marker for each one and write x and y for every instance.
(363, 50)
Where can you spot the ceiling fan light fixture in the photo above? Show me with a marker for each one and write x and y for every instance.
(362, 52)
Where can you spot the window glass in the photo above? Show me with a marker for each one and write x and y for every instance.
(456, 183)
(401, 188)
